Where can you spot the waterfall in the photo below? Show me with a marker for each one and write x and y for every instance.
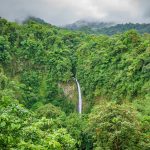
(79, 97)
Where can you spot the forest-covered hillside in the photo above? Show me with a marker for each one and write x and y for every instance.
(107, 28)
(37, 62)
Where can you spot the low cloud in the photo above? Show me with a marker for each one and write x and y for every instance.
(60, 12)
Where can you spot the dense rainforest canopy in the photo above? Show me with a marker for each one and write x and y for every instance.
(38, 62)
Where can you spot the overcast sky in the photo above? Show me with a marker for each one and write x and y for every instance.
(60, 12)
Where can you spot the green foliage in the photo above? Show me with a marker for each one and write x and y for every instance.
(5, 56)
(42, 134)
(114, 67)
(115, 127)
(75, 125)
(35, 58)
(13, 115)
(20, 129)
(49, 111)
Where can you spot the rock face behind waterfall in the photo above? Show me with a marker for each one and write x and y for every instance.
(70, 91)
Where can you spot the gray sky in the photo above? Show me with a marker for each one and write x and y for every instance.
(61, 12)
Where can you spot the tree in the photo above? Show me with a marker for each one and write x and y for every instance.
(115, 127)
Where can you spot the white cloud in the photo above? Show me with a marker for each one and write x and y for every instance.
(68, 11)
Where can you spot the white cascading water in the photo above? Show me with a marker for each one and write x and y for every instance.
(79, 97)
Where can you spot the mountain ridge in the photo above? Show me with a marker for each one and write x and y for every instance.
(108, 28)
